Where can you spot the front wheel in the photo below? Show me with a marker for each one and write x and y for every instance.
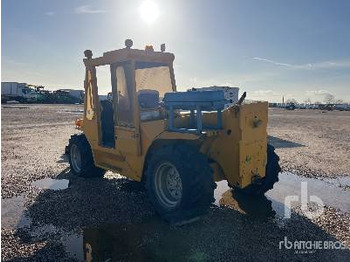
(179, 182)
(80, 158)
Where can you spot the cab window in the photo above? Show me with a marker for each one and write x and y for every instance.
(124, 97)
(153, 76)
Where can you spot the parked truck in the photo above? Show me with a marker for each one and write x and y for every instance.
(20, 92)
(76, 95)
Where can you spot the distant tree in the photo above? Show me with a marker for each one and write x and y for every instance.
(307, 101)
(292, 101)
(329, 99)
(339, 101)
(317, 103)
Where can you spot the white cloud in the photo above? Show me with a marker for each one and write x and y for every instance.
(87, 9)
(320, 92)
(309, 66)
(49, 13)
(263, 92)
(271, 61)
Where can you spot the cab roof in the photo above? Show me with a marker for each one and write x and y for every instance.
(128, 54)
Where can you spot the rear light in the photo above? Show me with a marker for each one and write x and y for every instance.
(78, 123)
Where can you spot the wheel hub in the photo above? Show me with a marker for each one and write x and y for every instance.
(174, 184)
(75, 157)
(168, 185)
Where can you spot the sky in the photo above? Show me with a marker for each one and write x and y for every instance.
(269, 48)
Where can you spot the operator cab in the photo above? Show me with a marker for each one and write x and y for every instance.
(138, 81)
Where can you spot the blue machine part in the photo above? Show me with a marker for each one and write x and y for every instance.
(195, 101)
(208, 100)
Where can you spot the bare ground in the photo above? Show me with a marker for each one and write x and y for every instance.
(113, 214)
(317, 142)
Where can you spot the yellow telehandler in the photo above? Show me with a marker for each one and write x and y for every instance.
(177, 143)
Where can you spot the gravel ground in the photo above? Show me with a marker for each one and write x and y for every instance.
(113, 216)
(317, 143)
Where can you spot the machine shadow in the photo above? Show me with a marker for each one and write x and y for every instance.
(63, 159)
(282, 143)
(117, 222)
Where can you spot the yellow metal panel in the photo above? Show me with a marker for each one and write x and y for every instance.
(127, 140)
(240, 148)
(149, 131)
(108, 156)
(91, 124)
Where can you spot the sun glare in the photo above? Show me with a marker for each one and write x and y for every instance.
(149, 11)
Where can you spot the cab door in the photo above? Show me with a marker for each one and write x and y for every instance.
(124, 156)
(125, 103)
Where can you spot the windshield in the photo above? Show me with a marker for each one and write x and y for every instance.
(153, 76)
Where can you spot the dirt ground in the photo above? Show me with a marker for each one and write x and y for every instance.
(48, 214)
(317, 143)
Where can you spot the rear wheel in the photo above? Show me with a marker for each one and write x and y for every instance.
(179, 182)
(80, 158)
(271, 175)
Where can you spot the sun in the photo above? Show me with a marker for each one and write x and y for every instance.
(149, 11)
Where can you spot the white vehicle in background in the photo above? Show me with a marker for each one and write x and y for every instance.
(20, 92)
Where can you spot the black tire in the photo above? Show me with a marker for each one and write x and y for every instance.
(197, 183)
(87, 166)
(271, 177)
